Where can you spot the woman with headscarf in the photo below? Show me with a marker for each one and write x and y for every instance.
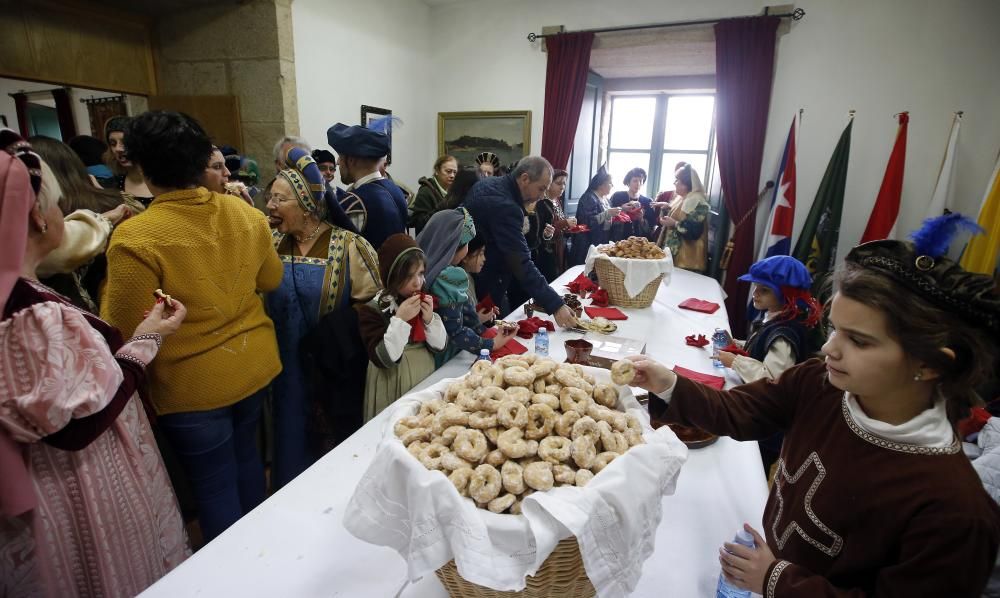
(399, 327)
(128, 175)
(86, 508)
(685, 226)
(327, 266)
(214, 252)
(445, 241)
(595, 212)
(432, 192)
(488, 164)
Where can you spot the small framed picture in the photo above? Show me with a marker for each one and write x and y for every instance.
(370, 113)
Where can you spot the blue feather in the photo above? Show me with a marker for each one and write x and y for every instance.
(936, 234)
(384, 124)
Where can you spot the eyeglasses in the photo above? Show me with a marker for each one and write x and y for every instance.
(274, 198)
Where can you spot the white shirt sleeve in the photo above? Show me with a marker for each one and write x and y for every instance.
(668, 392)
(779, 358)
(396, 337)
(437, 336)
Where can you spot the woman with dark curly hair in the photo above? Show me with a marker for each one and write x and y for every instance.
(214, 253)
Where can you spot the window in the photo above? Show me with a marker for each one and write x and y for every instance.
(655, 132)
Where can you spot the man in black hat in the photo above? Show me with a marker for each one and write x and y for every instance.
(375, 204)
(498, 207)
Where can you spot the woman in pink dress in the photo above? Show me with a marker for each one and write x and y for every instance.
(86, 508)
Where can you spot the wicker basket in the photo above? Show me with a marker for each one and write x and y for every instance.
(561, 575)
(612, 280)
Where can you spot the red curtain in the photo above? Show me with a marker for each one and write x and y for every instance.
(64, 112)
(565, 83)
(21, 104)
(744, 71)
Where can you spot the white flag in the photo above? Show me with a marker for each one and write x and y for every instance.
(941, 200)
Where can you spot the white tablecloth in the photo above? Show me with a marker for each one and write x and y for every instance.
(294, 544)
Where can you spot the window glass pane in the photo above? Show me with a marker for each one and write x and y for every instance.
(632, 122)
(689, 122)
(619, 163)
(697, 162)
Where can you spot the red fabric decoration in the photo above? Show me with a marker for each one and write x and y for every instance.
(581, 284)
(699, 305)
(485, 304)
(511, 348)
(735, 350)
(599, 298)
(527, 327)
(716, 382)
(579, 228)
(565, 84)
(611, 313)
(974, 423)
(622, 217)
(696, 341)
(417, 332)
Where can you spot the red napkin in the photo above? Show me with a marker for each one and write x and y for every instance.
(621, 217)
(599, 298)
(635, 214)
(716, 382)
(974, 423)
(697, 341)
(486, 304)
(699, 305)
(611, 313)
(527, 327)
(511, 348)
(735, 349)
(581, 284)
(417, 332)
(579, 228)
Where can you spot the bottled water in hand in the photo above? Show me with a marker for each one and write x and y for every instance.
(725, 589)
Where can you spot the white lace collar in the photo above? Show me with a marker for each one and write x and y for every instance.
(928, 430)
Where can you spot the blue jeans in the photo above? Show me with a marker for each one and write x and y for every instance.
(218, 450)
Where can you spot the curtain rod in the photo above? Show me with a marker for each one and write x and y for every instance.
(27, 92)
(795, 15)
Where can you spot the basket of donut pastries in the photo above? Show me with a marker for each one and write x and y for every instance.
(506, 479)
(620, 264)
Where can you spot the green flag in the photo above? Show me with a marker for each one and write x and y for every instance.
(817, 244)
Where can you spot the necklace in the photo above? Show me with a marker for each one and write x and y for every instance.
(311, 236)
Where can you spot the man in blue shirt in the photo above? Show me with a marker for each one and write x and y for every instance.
(497, 205)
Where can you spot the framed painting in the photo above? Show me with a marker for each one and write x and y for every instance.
(370, 113)
(467, 134)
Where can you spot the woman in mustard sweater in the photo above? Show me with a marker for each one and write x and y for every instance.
(214, 253)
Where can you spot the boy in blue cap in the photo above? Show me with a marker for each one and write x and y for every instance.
(780, 337)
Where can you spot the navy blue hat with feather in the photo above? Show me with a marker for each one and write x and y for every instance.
(922, 267)
(372, 141)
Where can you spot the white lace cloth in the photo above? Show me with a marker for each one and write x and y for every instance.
(638, 273)
(400, 504)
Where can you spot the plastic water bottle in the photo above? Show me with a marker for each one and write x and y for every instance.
(484, 355)
(725, 589)
(720, 340)
(542, 342)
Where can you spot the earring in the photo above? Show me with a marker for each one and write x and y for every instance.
(45, 227)
(918, 377)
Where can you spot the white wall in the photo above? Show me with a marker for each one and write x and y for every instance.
(374, 52)
(80, 115)
(881, 57)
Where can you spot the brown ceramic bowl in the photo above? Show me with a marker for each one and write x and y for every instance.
(578, 351)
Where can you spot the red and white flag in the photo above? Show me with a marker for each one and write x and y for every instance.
(882, 223)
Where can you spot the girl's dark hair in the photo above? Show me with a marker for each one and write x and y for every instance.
(477, 243)
(635, 172)
(77, 190)
(464, 180)
(558, 173)
(171, 148)
(922, 329)
(403, 268)
(90, 149)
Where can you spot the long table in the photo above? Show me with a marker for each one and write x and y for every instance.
(295, 544)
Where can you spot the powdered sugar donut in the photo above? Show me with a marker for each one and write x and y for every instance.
(501, 503)
(583, 476)
(554, 449)
(518, 376)
(512, 414)
(602, 460)
(470, 445)
(564, 474)
(574, 399)
(541, 420)
(460, 478)
(583, 451)
(622, 372)
(485, 484)
(512, 443)
(544, 398)
(564, 425)
(538, 475)
(513, 477)
(520, 394)
(606, 395)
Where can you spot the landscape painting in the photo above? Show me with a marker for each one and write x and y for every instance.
(467, 134)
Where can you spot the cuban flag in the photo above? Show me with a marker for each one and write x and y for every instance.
(782, 216)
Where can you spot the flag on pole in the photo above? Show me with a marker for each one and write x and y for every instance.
(782, 216)
(882, 222)
(981, 253)
(817, 243)
(941, 199)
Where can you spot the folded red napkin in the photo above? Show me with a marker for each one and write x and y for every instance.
(581, 284)
(527, 327)
(699, 305)
(716, 382)
(621, 217)
(696, 341)
(611, 313)
(599, 297)
(417, 332)
(579, 228)
(974, 423)
(735, 350)
(485, 304)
